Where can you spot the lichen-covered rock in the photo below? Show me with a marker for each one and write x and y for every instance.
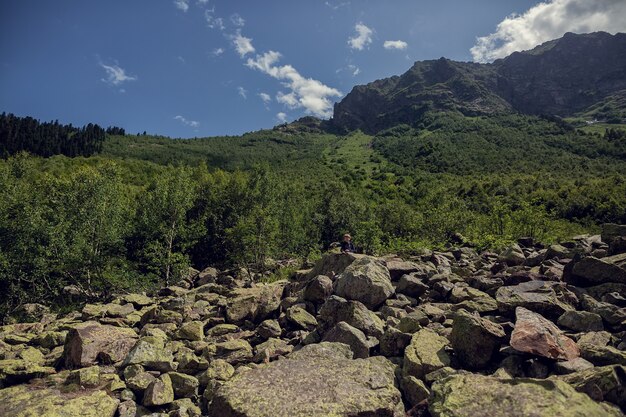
(513, 255)
(184, 386)
(159, 392)
(318, 289)
(332, 264)
(319, 380)
(593, 271)
(193, 330)
(472, 299)
(342, 332)
(426, 353)
(300, 318)
(91, 343)
(15, 371)
(474, 395)
(29, 401)
(411, 285)
(414, 390)
(538, 296)
(602, 355)
(233, 351)
(606, 383)
(539, 336)
(581, 321)
(366, 280)
(218, 370)
(269, 328)
(254, 304)
(151, 353)
(85, 377)
(355, 313)
(271, 349)
(475, 339)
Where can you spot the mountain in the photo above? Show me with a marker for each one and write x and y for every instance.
(563, 77)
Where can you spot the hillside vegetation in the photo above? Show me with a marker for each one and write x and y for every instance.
(146, 208)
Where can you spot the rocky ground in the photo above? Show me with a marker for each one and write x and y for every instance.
(532, 331)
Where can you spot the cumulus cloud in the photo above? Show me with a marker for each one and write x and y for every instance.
(243, 45)
(311, 95)
(395, 45)
(282, 117)
(242, 92)
(182, 4)
(549, 20)
(115, 75)
(190, 123)
(265, 97)
(362, 38)
(237, 20)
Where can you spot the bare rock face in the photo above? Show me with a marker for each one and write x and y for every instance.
(537, 335)
(90, 343)
(318, 380)
(366, 280)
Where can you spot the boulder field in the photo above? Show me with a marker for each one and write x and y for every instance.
(531, 331)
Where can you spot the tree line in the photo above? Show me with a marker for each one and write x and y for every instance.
(50, 138)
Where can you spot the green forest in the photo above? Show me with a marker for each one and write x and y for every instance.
(106, 212)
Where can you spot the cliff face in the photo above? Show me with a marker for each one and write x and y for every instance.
(560, 77)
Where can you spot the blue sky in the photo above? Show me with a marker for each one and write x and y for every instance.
(185, 68)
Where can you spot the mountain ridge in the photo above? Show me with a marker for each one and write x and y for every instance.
(562, 77)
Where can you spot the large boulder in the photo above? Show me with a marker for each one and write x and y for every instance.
(337, 309)
(30, 401)
(593, 271)
(581, 321)
(15, 371)
(426, 353)
(318, 380)
(475, 339)
(254, 304)
(513, 255)
(333, 264)
(318, 289)
(546, 298)
(151, 353)
(474, 395)
(366, 280)
(606, 383)
(91, 343)
(536, 335)
(159, 392)
(351, 336)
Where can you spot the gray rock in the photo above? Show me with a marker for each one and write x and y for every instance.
(355, 313)
(342, 332)
(318, 289)
(581, 321)
(475, 339)
(318, 380)
(593, 271)
(366, 280)
(411, 285)
(546, 298)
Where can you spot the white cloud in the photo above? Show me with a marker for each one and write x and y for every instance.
(212, 21)
(395, 45)
(182, 4)
(336, 6)
(218, 51)
(203, 2)
(237, 20)
(116, 75)
(242, 92)
(307, 93)
(265, 97)
(549, 20)
(362, 38)
(190, 123)
(242, 44)
(282, 117)
(354, 69)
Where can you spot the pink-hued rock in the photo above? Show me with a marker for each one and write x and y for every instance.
(91, 343)
(537, 335)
